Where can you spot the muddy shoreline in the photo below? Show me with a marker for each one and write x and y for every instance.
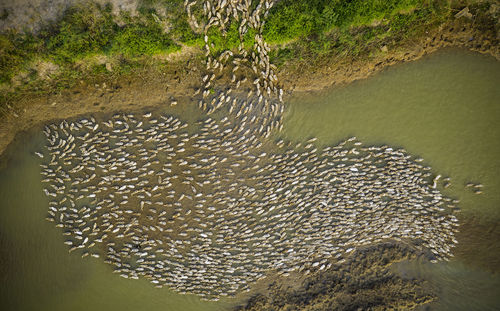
(363, 282)
(181, 78)
(341, 71)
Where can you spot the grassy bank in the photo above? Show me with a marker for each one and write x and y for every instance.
(319, 29)
(86, 32)
(90, 43)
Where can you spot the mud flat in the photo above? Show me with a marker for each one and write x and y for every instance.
(363, 282)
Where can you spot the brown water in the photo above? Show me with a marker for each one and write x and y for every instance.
(444, 108)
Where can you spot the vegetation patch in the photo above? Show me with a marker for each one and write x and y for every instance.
(88, 30)
(292, 19)
(318, 29)
(364, 282)
(138, 39)
(82, 31)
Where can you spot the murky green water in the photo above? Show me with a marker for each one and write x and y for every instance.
(444, 108)
(37, 271)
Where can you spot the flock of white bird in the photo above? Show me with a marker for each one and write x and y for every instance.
(210, 207)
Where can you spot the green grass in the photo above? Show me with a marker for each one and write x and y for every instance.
(82, 31)
(10, 58)
(292, 19)
(89, 30)
(219, 41)
(136, 40)
(177, 17)
(317, 29)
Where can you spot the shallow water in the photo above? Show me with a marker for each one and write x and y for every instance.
(38, 273)
(446, 109)
(443, 108)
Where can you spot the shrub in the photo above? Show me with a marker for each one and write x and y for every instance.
(82, 31)
(292, 19)
(140, 39)
(15, 51)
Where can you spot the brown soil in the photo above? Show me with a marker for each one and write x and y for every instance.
(182, 75)
(145, 88)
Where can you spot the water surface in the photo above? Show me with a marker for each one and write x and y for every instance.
(446, 109)
(37, 271)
